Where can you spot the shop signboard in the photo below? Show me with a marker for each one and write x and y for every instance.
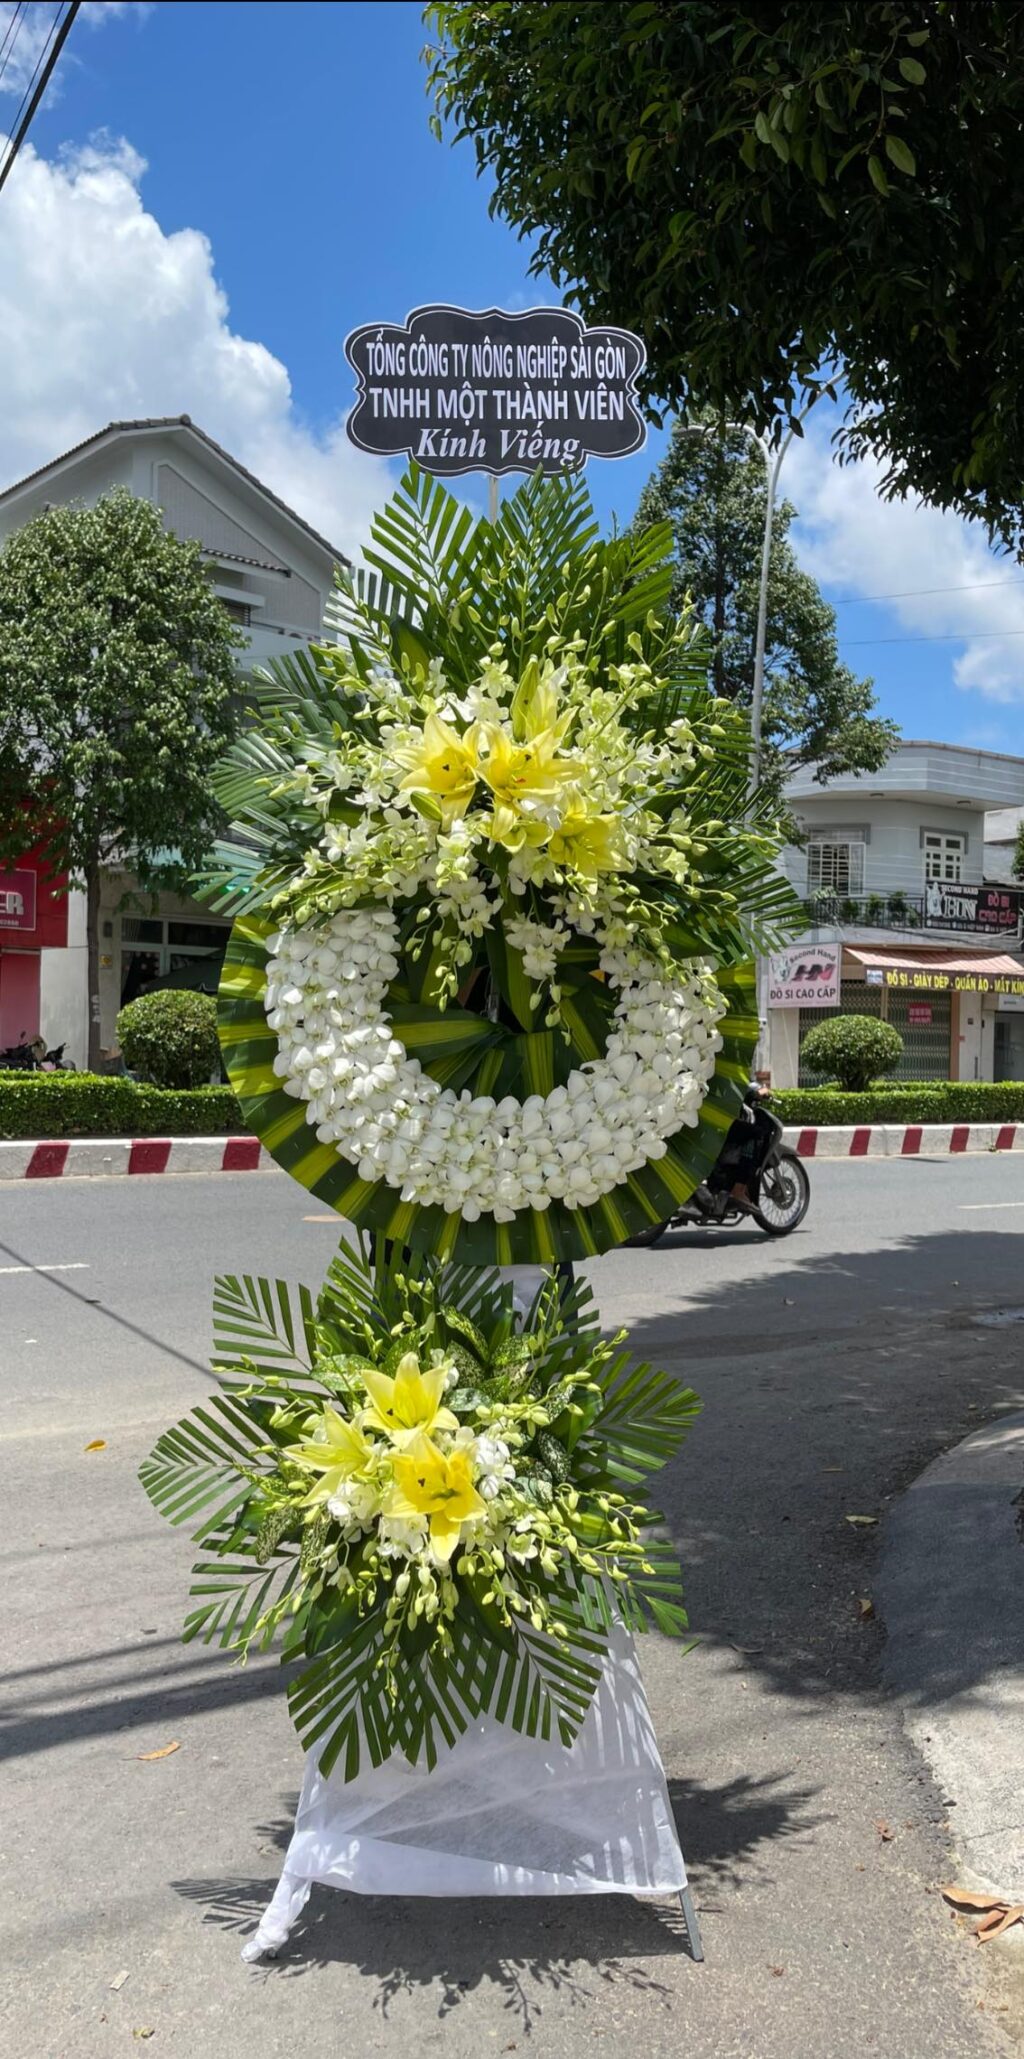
(18, 900)
(806, 976)
(958, 980)
(461, 391)
(995, 911)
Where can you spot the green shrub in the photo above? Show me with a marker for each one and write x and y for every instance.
(919, 1101)
(170, 1038)
(82, 1104)
(853, 1049)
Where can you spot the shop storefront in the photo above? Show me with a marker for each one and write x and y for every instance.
(33, 918)
(954, 1009)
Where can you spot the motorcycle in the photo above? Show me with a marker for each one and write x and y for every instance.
(776, 1180)
(34, 1057)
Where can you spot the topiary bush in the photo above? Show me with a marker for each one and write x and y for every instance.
(853, 1049)
(170, 1038)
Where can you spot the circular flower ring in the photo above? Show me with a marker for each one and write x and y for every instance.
(408, 1140)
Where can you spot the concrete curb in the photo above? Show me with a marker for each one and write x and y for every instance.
(81, 1157)
(951, 1593)
(88, 1157)
(905, 1140)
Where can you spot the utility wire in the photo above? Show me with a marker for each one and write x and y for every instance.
(854, 600)
(11, 35)
(54, 45)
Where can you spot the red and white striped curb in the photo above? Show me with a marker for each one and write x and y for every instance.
(85, 1157)
(905, 1140)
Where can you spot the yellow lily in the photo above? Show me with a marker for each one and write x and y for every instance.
(337, 1450)
(436, 1484)
(443, 765)
(588, 844)
(409, 1405)
(522, 773)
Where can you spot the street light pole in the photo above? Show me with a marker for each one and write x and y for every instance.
(772, 466)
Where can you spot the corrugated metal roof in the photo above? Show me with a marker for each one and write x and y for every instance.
(178, 422)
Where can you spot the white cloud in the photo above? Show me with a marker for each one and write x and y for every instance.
(106, 317)
(23, 41)
(947, 578)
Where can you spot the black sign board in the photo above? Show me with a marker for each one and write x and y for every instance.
(993, 910)
(494, 392)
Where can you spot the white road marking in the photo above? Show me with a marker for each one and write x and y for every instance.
(74, 1265)
(967, 1207)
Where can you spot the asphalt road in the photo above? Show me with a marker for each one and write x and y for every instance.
(833, 1367)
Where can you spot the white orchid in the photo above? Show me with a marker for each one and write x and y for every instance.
(466, 1154)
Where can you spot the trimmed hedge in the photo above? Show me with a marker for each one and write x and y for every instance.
(82, 1104)
(916, 1101)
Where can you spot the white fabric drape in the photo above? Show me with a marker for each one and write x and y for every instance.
(500, 1815)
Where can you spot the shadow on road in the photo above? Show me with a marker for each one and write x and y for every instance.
(520, 1946)
(827, 1386)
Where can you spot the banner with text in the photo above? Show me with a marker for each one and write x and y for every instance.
(948, 905)
(805, 977)
(495, 392)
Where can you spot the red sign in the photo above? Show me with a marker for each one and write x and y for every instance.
(18, 900)
(919, 1011)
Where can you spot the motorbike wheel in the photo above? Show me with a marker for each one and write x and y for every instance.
(784, 1197)
(646, 1239)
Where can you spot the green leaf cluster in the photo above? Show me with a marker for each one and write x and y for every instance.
(853, 1049)
(170, 1038)
(765, 193)
(924, 1101)
(84, 1104)
(711, 486)
(117, 691)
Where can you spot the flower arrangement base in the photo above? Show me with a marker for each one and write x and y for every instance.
(500, 1814)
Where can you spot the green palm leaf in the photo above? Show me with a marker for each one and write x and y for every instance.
(193, 1469)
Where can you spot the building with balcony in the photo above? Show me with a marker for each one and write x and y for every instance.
(899, 882)
(273, 573)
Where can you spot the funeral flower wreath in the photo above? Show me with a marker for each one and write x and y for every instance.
(495, 879)
(495, 876)
(436, 1506)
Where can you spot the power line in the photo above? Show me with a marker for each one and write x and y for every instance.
(14, 21)
(42, 75)
(852, 600)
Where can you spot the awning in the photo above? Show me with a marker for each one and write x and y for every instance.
(948, 971)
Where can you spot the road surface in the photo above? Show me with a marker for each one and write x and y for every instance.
(833, 1366)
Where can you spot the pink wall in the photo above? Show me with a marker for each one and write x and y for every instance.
(19, 996)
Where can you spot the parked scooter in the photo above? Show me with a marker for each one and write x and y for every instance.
(25, 1056)
(775, 1178)
(19, 1057)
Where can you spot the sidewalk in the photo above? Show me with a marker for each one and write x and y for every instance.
(951, 1593)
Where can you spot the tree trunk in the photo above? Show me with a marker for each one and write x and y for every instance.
(92, 938)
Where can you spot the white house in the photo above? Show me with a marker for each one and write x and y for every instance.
(894, 869)
(273, 573)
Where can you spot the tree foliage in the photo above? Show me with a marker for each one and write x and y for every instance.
(853, 1049)
(761, 191)
(116, 697)
(712, 489)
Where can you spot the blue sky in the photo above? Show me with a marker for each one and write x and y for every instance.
(236, 186)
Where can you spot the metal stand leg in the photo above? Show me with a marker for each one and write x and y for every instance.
(692, 1926)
